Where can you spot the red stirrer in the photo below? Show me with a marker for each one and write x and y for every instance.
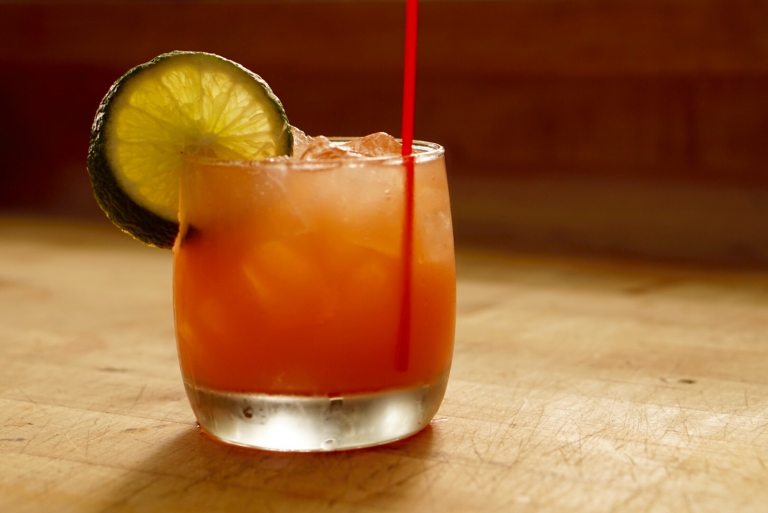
(402, 355)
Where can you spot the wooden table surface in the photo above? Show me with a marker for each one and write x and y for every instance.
(578, 385)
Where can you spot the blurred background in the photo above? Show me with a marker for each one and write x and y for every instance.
(636, 128)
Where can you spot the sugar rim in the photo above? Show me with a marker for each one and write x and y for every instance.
(423, 151)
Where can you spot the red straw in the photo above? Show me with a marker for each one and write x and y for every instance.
(409, 74)
(402, 355)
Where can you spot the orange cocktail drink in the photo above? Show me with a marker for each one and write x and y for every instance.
(288, 291)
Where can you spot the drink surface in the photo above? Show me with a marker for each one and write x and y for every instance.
(288, 273)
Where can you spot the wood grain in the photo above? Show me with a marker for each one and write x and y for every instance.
(578, 385)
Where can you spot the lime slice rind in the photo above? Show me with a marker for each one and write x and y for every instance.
(125, 213)
(158, 113)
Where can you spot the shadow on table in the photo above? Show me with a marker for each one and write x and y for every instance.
(194, 473)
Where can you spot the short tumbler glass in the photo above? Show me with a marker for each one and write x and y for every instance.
(288, 298)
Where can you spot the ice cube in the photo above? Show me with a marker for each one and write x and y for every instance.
(321, 148)
(300, 141)
(379, 144)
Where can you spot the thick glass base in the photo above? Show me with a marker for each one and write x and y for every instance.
(315, 423)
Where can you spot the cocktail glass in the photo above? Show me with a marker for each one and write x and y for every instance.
(288, 295)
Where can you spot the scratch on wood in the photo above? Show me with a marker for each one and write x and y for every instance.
(112, 369)
(578, 442)
(759, 430)
(138, 397)
(725, 431)
(130, 495)
(633, 465)
(26, 444)
(36, 406)
(192, 484)
(138, 429)
(66, 435)
(687, 501)
(684, 422)
(622, 505)
(654, 498)
(477, 452)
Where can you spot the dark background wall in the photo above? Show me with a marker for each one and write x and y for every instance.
(630, 127)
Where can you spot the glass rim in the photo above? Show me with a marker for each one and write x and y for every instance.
(423, 151)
